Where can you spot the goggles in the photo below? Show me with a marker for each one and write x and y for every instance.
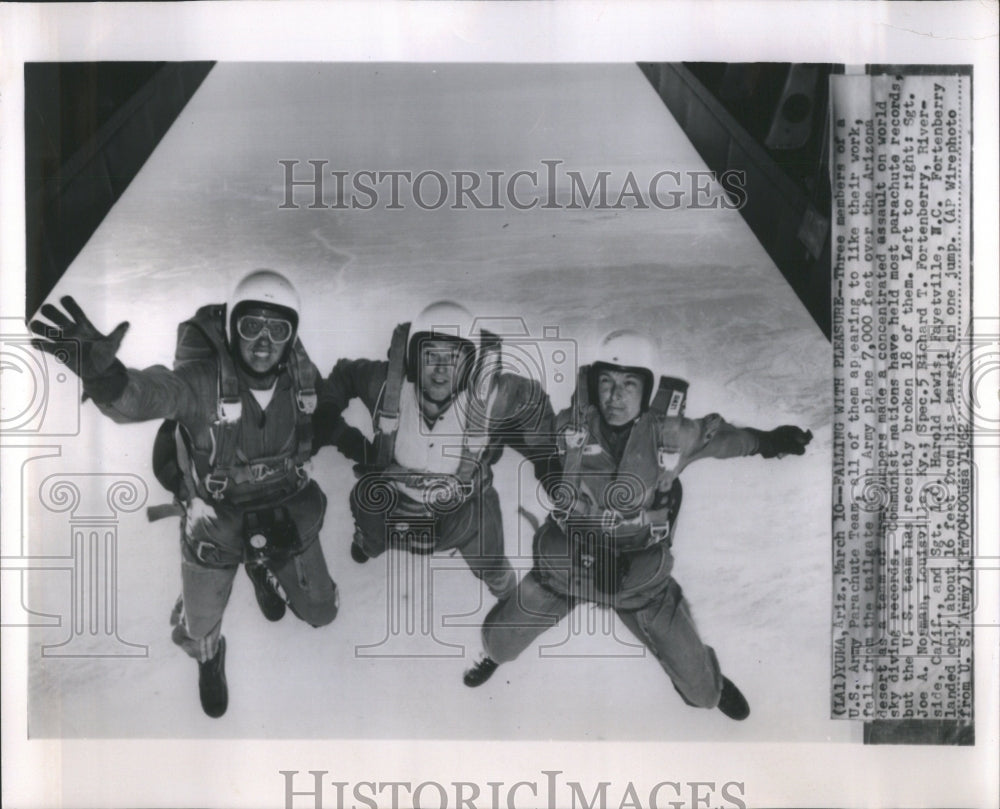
(250, 327)
(447, 356)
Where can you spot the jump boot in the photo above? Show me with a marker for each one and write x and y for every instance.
(265, 587)
(732, 703)
(480, 671)
(212, 686)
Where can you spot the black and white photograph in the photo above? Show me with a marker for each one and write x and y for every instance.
(411, 416)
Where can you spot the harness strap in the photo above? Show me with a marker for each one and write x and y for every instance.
(303, 374)
(209, 324)
(483, 396)
(476, 429)
(576, 433)
(668, 401)
(225, 437)
(670, 397)
(387, 407)
(470, 468)
(186, 463)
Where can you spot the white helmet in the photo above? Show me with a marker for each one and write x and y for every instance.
(626, 350)
(264, 288)
(443, 320)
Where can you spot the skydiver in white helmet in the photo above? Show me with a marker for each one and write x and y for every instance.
(233, 451)
(442, 414)
(623, 445)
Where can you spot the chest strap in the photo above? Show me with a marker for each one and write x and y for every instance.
(668, 401)
(481, 403)
(225, 456)
(386, 421)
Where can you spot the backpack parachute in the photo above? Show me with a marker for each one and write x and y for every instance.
(200, 338)
(165, 465)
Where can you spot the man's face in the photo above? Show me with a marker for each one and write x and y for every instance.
(619, 396)
(438, 370)
(260, 331)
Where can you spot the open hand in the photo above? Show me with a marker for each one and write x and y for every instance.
(97, 351)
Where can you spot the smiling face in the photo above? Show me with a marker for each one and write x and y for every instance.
(438, 370)
(261, 354)
(619, 396)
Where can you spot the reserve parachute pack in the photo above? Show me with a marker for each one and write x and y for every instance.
(203, 337)
(482, 399)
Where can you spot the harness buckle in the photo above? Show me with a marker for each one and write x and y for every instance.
(216, 485)
(660, 532)
(574, 438)
(667, 459)
(199, 551)
(230, 410)
(306, 400)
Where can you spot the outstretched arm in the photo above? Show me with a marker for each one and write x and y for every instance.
(528, 424)
(330, 429)
(349, 379)
(713, 437)
(123, 394)
(157, 393)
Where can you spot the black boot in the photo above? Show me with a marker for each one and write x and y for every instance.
(480, 672)
(212, 686)
(265, 586)
(358, 554)
(732, 703)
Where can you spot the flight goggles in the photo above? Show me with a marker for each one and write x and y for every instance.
(436, 355)
(250, 327)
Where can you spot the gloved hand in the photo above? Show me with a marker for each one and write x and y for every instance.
(104, 376)
(199, 516)
(330, 429)
(782, 441)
